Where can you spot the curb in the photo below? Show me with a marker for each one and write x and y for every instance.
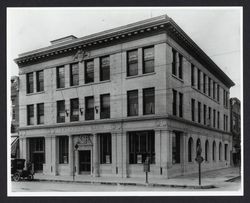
(232, 179)
(131, 184)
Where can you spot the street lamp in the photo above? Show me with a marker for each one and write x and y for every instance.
(199, 160)
(74, 168)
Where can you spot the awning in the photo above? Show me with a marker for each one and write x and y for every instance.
(14, 146)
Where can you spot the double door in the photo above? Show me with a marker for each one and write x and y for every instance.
(85, 161)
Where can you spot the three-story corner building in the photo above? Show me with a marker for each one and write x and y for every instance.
(103, 103)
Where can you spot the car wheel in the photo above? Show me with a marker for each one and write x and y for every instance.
(16, 177)
(30, 177)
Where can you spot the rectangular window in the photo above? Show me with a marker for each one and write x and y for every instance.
(180, 66)
(105, 106)
(218, 120)
(132, 63)
(89, 108)
(214, 119)
(180, 104)
(74, 109)
(193, 109)
(63, 149)
(218, 92)
(148, 60)
(176, 148)
(105, 148)
(214, 90)
(74, 74)
(224, 122)
(30, 114)
(29, 82)
(40, 113)
(61, 111)
(174, 105)
(148, 101)
(199, 79)
(89, 71)
(205, 114)
(141, 146)
(39, 81)
(174, 62)
(227, 95)
(204, 83)
(105, 68)
(199, 112)
(209, 86)
(209, 116)
(132, 97)
(226, 146)
(60, 75)
(192, 75)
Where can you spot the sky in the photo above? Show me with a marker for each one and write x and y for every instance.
(217, 31)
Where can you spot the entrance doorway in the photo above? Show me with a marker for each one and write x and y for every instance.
(38, 159)
(84, 162)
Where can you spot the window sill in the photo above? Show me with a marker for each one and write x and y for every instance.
(34, 93)
(181, 80)
(136, 76)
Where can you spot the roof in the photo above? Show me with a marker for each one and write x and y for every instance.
(138, 28)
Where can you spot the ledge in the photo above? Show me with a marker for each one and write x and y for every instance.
(35, 93)
(179, 79)
(141, 75)
(205, 94)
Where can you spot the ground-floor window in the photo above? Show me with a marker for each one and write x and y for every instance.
(141, 146)
(176, 147)
(190, 149)
(226, 145)
(214, 150)
(37, 152)
(206, 150)
(63, 149)
(105, 148)
(220, 148)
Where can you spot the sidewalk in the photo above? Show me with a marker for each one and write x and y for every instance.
(208, 180)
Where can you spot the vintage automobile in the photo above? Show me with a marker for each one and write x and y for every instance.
(18, 172)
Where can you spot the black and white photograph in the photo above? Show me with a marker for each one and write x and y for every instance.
(125, 101)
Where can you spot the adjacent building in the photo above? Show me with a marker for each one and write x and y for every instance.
(235, 130)
(14, 116)
(102, 104)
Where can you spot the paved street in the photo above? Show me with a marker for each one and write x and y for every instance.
(45, 186)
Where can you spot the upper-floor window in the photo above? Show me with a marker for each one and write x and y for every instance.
(105, 148)
(192, 75)
(209, 86)
(74, 74)
(40, 113)
(214, 89)
(204, 83)
(205, 114)
(174, 61)
(89, 108)
(180, 66)
(148, 101)
(148, 60)
(218, 92)
(209, 116)
(180, 104)
(174, 104)
(39, 81)
(60, 75)
(29, 82)
(89, 71)
(132, 63)
(105, 68)
(30, 114)
(218, 120)
(226, 146)
(214, 119)
(198, 79)
(199, 112)
(105, 106)
(132, 97)
(61, 111)
(63, 149)
(74, 109)
(193, 109)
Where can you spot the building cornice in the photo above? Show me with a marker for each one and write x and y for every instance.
(128, 32)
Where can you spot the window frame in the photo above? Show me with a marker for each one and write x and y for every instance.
(39, 113)
(30, 114)
(148, 94)
(105, 150)
(30, 83)
(74, 74)
(129, 104)
(133, 62)
(74, 109)
(104, 111)
(87, 73)
(89, 112)
(60, 78)
(145, 60)
(104, 69)
(176, 148)
(60, 110)
(63, 143)
(39, 82)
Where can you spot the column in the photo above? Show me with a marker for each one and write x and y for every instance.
(125, 157)
(67, 75)
(76, 152)
(158, 148)
(140, 102)
(114, 153)
(48, 168)
(71, 154)
(54, 156)
(34, 82)
(81, 73)
(184, 152)
(96, 70)
(164, 151)
(95, 156)
(140, 61)
(119, 153)
(169, 158)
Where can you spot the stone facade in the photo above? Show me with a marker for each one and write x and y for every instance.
(86, 134)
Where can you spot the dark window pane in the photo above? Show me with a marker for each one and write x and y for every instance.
(199, 112)
(190, 150)
(63, 149)
(180, 66)
(148, 101)
(89, 108)
(89, 71)
(132, 103)
(30, 114)
(180, 104)
(148, 60)
(74, 74)
(176, 148)
(39, 81)
(174, 53)
(40, 113)
(60, 111)
(74, 109)
(60, 77)
(105, 148)
(29, 81)
(174, 102)
(132, 63)
(192, 75)
(105, 106)
(105, 68)
(193, 109)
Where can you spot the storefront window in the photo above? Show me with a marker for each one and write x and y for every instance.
(105, 148)
(63, 149)
(176, 158)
